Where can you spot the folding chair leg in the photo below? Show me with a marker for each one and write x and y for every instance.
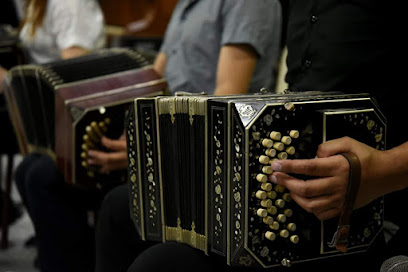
(6, 203)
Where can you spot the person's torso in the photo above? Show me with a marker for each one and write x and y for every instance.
(193, 42)
(351, 47)
(44, 47)
(339, 45)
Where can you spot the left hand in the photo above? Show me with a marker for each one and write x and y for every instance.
(110, 161)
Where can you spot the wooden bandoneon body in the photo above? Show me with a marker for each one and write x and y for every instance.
(198, 166)
(63, 109)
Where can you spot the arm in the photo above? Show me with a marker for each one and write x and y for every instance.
(79, 27)
(74, 51)
(382, 172)
(160, 62)
(236, 65)
(110, 161)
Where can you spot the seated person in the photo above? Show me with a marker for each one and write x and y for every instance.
(53, 30)
(329, 51)
(204, 41)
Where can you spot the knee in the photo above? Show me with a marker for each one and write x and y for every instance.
(115, 205)
(22, 169)
(41, 174)
(175, 256)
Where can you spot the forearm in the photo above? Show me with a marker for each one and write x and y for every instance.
(159, 64)
(395, 161)
(73, 52)
(230, 89)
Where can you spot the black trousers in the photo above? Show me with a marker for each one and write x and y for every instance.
(117, 241)
(119, 248)
(59, 213)
(172, 256)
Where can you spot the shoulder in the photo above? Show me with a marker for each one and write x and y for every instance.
(77, 22)
(255, 12)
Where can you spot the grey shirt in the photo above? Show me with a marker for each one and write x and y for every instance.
(199, 28)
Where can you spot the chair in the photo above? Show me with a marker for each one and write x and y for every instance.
(10, 55)
(8, 147)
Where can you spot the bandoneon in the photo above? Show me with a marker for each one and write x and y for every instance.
(64, 108)
(199, 164)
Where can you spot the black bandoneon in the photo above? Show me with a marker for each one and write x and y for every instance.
(198, 169)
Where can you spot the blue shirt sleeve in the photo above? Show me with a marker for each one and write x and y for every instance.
(254, 22)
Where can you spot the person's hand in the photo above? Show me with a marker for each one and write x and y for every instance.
(116, 159)
(324, 194)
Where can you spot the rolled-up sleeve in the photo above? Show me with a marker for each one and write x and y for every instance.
(78, 23)
(254, 22)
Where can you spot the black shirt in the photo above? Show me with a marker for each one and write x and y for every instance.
(348, 46)
(355, 46)
(338, 45)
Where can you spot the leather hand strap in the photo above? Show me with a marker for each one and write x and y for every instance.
(343, 227)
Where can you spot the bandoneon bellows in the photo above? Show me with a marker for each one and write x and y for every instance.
(198, 169)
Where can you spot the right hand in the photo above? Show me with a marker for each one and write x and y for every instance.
(116, 159)
(324, 194)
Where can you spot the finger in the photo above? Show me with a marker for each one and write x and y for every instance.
(114, 145)
(328, 214)
(114, 166)
(333, 147)
(118, 161)
(109, 161)
(318, 167)
(318, 205)
(309, 188)
(96, 157)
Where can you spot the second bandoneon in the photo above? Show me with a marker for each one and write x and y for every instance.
(64, 108)
(198, 169)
